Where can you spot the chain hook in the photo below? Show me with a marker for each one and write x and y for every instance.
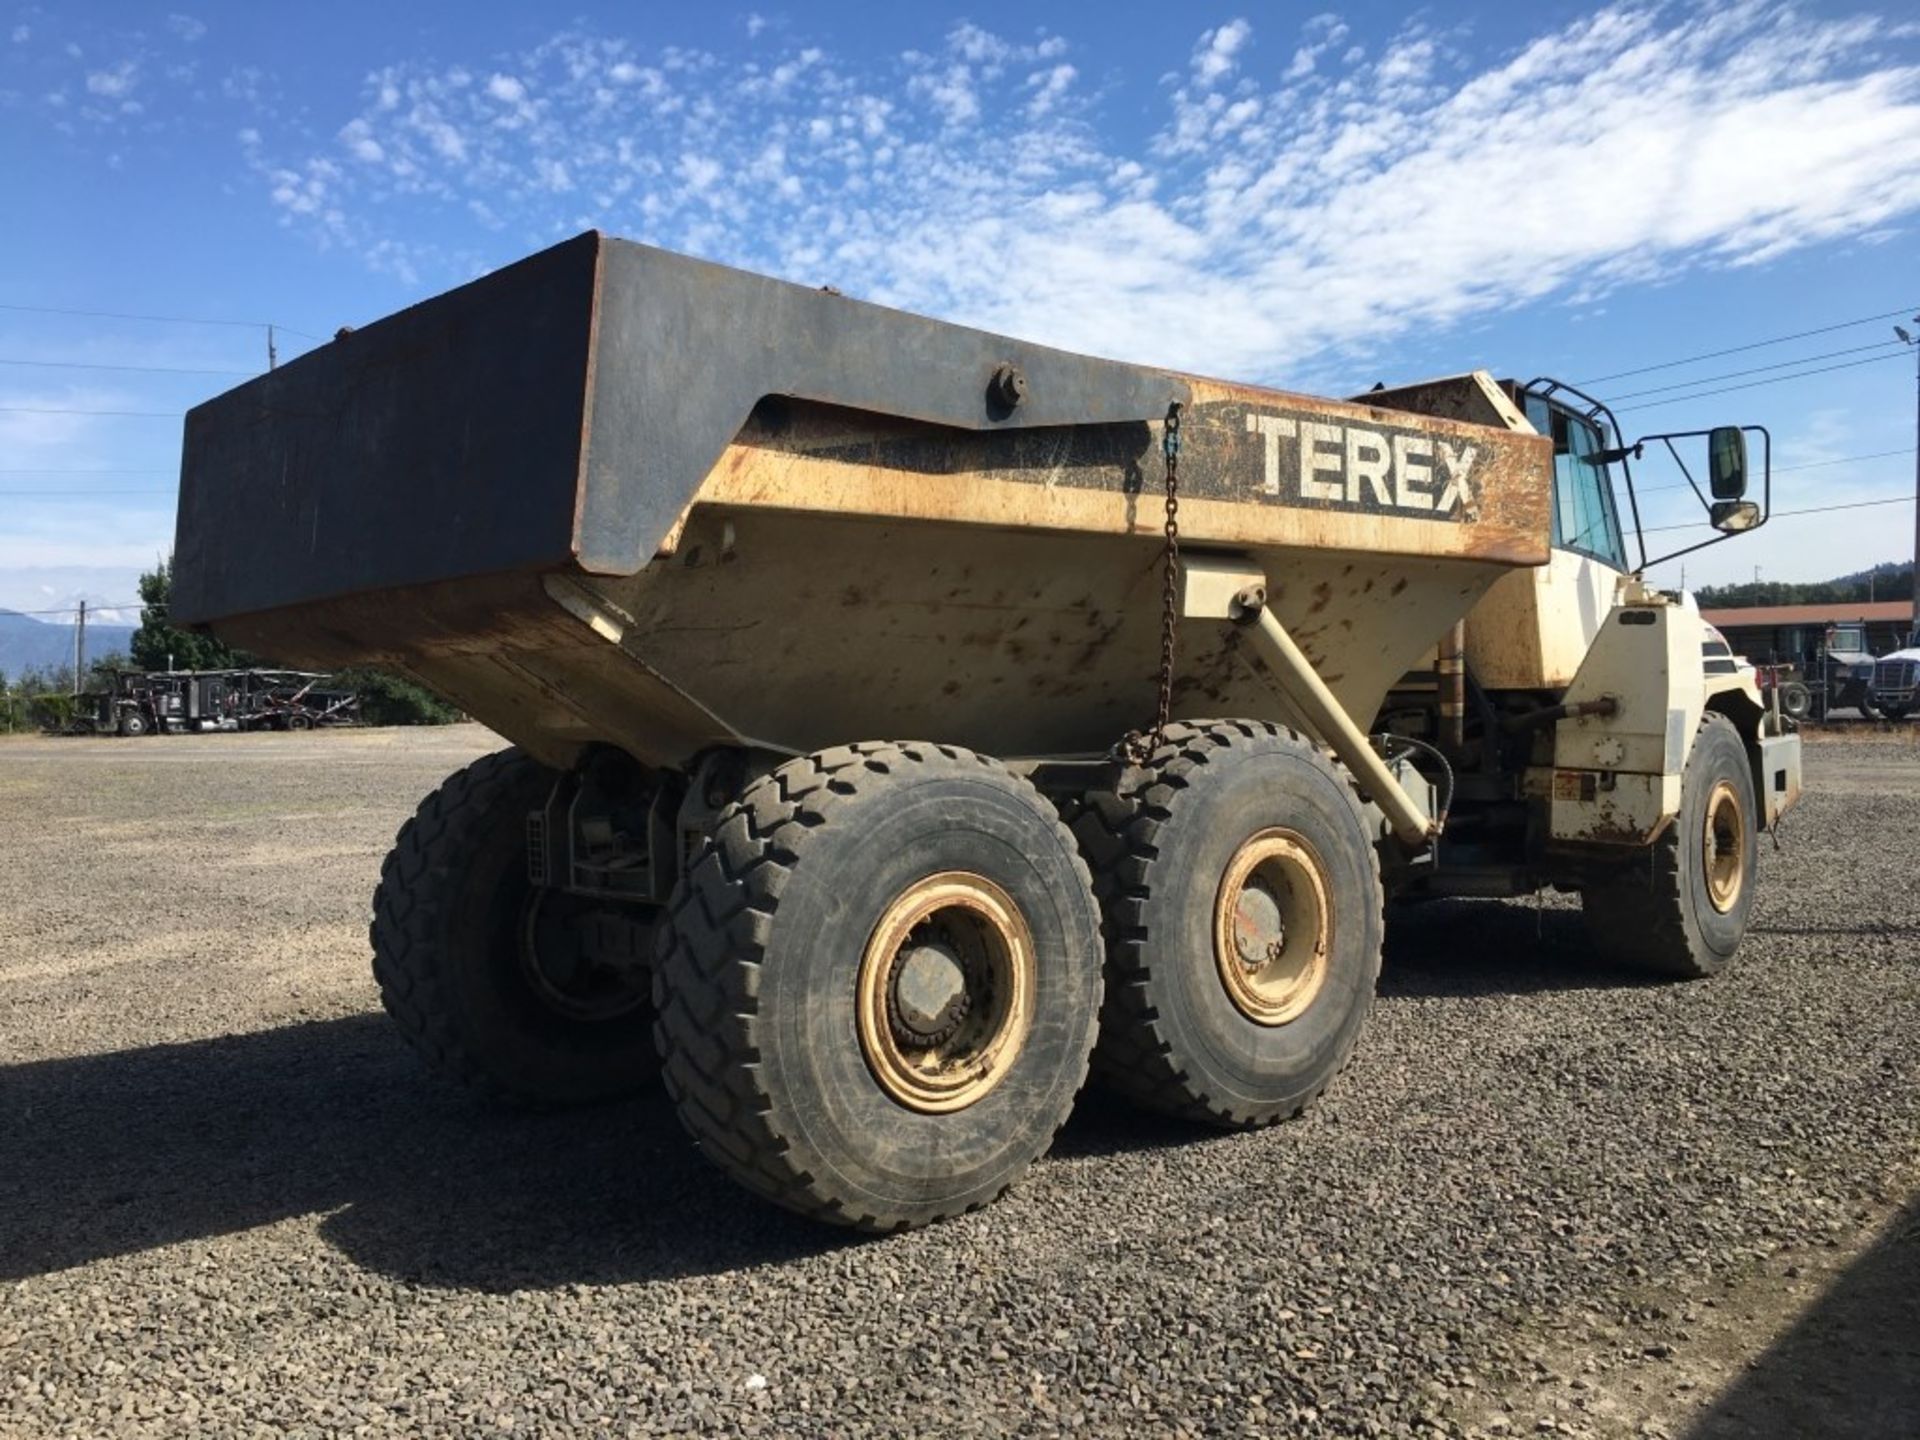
(1137, 746)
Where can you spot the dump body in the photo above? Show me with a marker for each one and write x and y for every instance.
(614, 494)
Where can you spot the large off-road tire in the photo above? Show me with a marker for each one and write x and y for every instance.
(879, 984)
(1796, 700)
(1681, 910)
(526, 995)
(1243, 906)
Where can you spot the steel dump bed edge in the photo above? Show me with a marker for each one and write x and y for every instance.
(565, 407)
(611, 494)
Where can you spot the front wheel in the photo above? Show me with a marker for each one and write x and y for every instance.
(1681, 912)
(525, 994)
(878, 985)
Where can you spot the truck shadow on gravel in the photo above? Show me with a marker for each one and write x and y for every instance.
(1493, 947)
(118, 1153)
(112, 1154)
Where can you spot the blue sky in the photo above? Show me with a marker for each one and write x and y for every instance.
(1311, 199)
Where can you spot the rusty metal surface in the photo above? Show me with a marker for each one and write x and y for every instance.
(684, 350)
(1473, 398)
(1257, 468)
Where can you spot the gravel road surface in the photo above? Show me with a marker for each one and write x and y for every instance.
(1546, 1197)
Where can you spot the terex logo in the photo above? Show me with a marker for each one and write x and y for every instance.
(1321, 461)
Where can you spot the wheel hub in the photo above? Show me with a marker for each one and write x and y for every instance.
(944, 997)
(1259, 929)
(927, 995)
(1273, 927)
(1723, 843)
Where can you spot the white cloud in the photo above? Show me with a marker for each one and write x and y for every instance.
(186, 27)
(1268, 220)
(357, 136)
(1214, 55)
(114, 82)
(506, 88)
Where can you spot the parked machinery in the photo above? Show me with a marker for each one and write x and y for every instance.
(160, 702)
(1836, 674)
(1896, 680)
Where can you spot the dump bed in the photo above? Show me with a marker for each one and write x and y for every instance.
(611, 493)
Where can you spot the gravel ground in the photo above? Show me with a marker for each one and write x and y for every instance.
(1545, 1197)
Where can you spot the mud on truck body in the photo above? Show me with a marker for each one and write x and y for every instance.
(873, 774)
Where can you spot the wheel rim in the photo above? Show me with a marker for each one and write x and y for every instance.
(1723, 842)
(945, 994)
(562, 962)
(1273, 927)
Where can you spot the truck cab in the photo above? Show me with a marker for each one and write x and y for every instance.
(1896, 680)
(1587, 688)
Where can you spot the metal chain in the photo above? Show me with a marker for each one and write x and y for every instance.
(1137, 745)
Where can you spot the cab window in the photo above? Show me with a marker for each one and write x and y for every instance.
(1584, 518)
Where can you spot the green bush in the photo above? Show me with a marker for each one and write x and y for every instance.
(390, 700)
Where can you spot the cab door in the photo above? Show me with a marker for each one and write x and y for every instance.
(1534, 627)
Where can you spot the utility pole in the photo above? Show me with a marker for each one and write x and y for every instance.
(79, 645)
(1914, 345)
(273, 355)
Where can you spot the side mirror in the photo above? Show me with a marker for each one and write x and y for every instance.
(1730, 517)
(1727, 468)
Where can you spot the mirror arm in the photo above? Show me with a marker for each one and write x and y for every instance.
(1766, 506)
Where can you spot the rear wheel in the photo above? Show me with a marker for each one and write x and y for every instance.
(1796, 700)
(879, 984)
(1681, 911)
(1896, 713)
(527, 994)
(132, 722)
(1244, 919)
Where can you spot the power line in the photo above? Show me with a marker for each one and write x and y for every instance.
(160, 319)
(91, 605)
(1783, 514)
(57, 410)
(111, 470)
(1842, 460)
(1754, 370)
(81, 494)
(1786, 469)
(1770, 380)
(139, 369)
(1754, 345)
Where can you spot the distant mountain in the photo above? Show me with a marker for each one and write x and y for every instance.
(30, 644)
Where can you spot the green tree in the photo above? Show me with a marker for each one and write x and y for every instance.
(158, 645)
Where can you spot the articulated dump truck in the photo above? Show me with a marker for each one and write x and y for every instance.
(905, 720)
